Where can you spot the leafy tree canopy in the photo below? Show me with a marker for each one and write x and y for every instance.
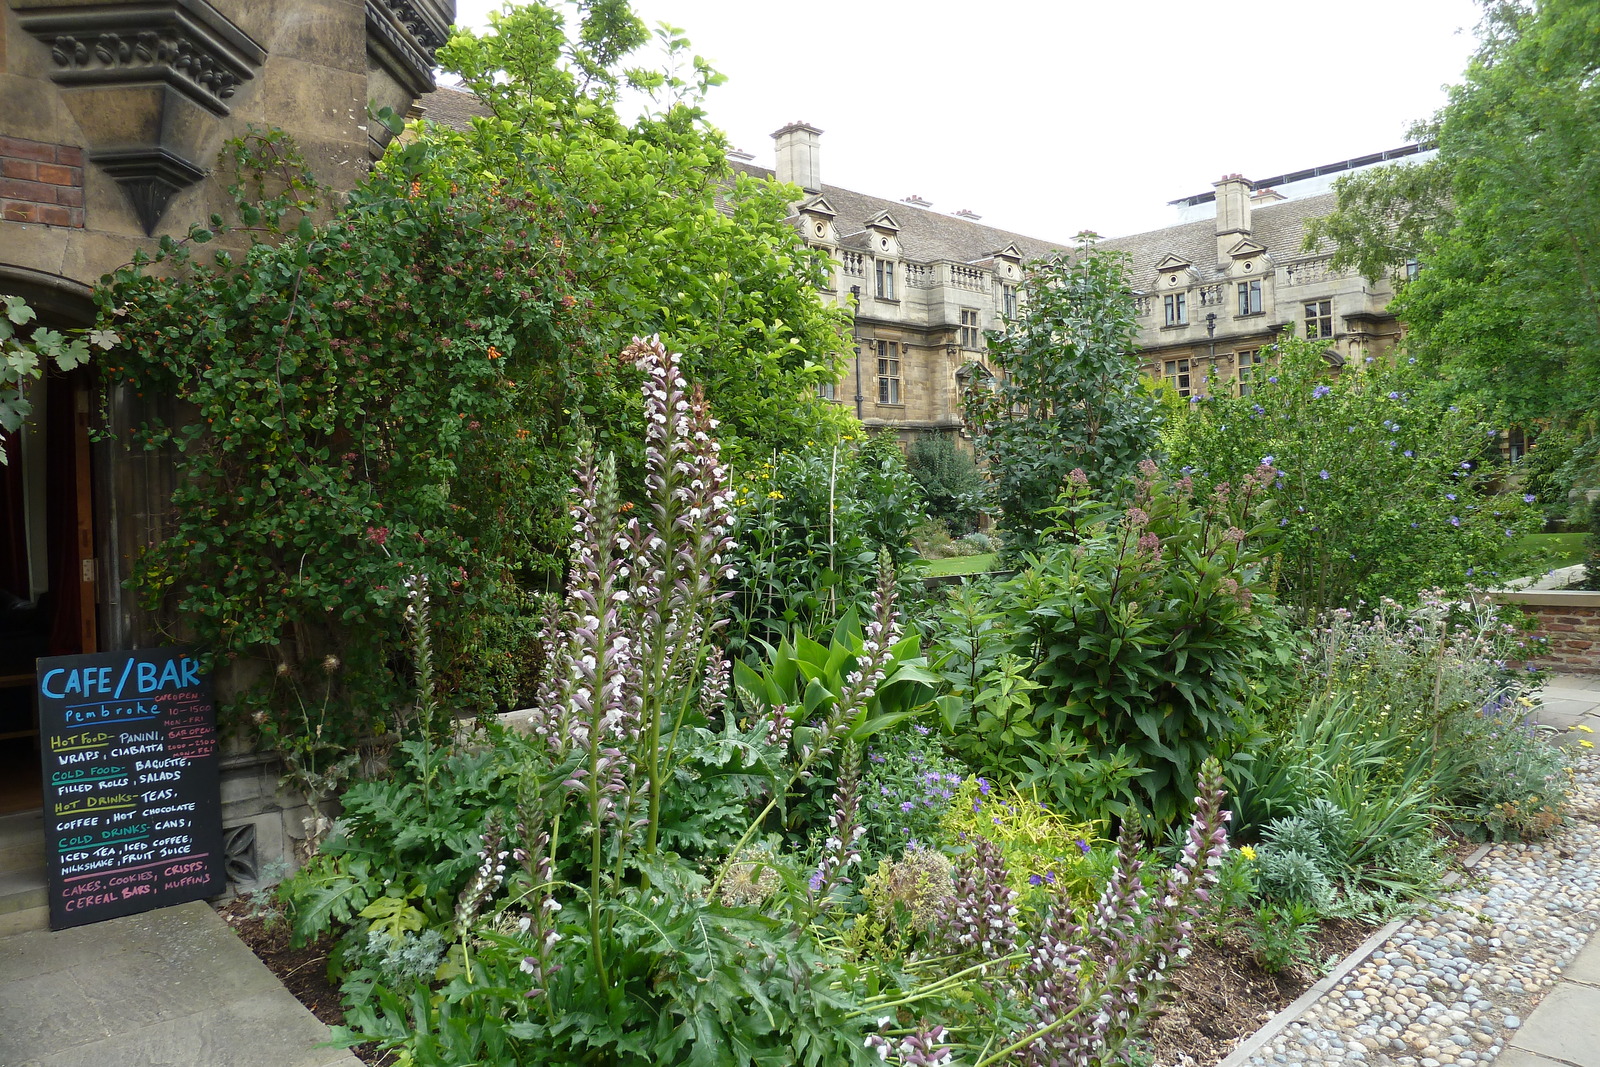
(1505, 221)
(1068, 394)
(387, 401)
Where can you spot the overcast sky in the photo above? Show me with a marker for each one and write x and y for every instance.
(1047, 117)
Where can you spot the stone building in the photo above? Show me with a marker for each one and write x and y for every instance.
(925, 285)
(1216, 289)
(114, 114)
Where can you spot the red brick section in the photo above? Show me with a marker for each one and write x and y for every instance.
(1574, 635)
(41, 183)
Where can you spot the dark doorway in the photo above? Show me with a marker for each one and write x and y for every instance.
(47, 565)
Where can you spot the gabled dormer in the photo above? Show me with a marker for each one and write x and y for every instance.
(1008, 263)
(1174, 271)
(885, 235)
(816, 221)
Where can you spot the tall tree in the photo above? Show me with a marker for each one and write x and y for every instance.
(1505, 221)
(1069, 393)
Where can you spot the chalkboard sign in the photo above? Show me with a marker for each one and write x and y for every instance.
(132, 805)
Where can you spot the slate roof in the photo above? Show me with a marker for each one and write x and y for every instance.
(452, 107)
(1280, 226)
(925, 236)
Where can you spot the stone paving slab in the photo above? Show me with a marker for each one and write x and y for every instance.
(175, 987)
(1564, 1027)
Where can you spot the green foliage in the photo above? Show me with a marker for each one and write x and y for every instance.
(1380, 490)
(1292, 877)
(1400, 722)
(386, 403)
(361, 408)
(1043, 849)
(806, 681)
(1504, 221)
(1282, 935)
(909, 782)
(813, 522)
(950, 481)
(1141, 632)
(672, 242)
(1068, 393)
(26, 358)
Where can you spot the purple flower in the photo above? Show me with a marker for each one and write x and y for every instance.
(1449, 496)
(905, 805)
(1273, 379)
(1320, 391)
(1394, 396)
(1083, 846)
(921, 729)
(1528, 498)
(1034, 879)
(1454, 521)
(1324, 475)
(1406, 453)
(983, 786)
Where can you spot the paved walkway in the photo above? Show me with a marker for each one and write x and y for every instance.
(1504, 971)
(175, 987)
(1564, 1030)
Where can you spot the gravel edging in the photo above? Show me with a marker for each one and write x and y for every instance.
(1452, 983)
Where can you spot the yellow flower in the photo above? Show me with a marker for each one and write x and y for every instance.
(1247, 852)
(774, 495)
(1585, 729)
(1585, 744)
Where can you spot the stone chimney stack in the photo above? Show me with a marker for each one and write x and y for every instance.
(1233, 213)
(799, 156)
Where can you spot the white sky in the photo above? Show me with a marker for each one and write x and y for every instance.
(1047, 117)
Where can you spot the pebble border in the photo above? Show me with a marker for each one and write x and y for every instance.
(1453, 983)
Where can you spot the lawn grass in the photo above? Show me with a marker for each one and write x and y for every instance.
(1553, 550)
(961, 564)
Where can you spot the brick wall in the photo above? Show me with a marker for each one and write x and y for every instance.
(1569, 620)
(41, 182)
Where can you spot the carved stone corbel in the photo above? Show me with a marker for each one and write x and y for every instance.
(146, 82)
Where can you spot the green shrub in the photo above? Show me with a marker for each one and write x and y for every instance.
(1134, 641)
(950, 481)
(811, 526)
(1381, 490)
(1290, 877)
(1042, 849)
(1281, 935)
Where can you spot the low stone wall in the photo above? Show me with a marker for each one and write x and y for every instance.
(1569, 619)
(264, 824)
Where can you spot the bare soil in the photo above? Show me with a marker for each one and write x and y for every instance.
(1219, 996)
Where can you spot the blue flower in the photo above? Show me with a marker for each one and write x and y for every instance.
(906, 805)
(1466, 466)
(1320, 391)
(1083, 846)
(1394, 396)
(1324, 475)
(1194, 399)
(1266, 461)
(1449, 496)
(1510, 532)
(1034, 879)
(1454, 521)
(1528, 498)
(1273, 379)
(1406, 453)
(921, 729)
(983, 786)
